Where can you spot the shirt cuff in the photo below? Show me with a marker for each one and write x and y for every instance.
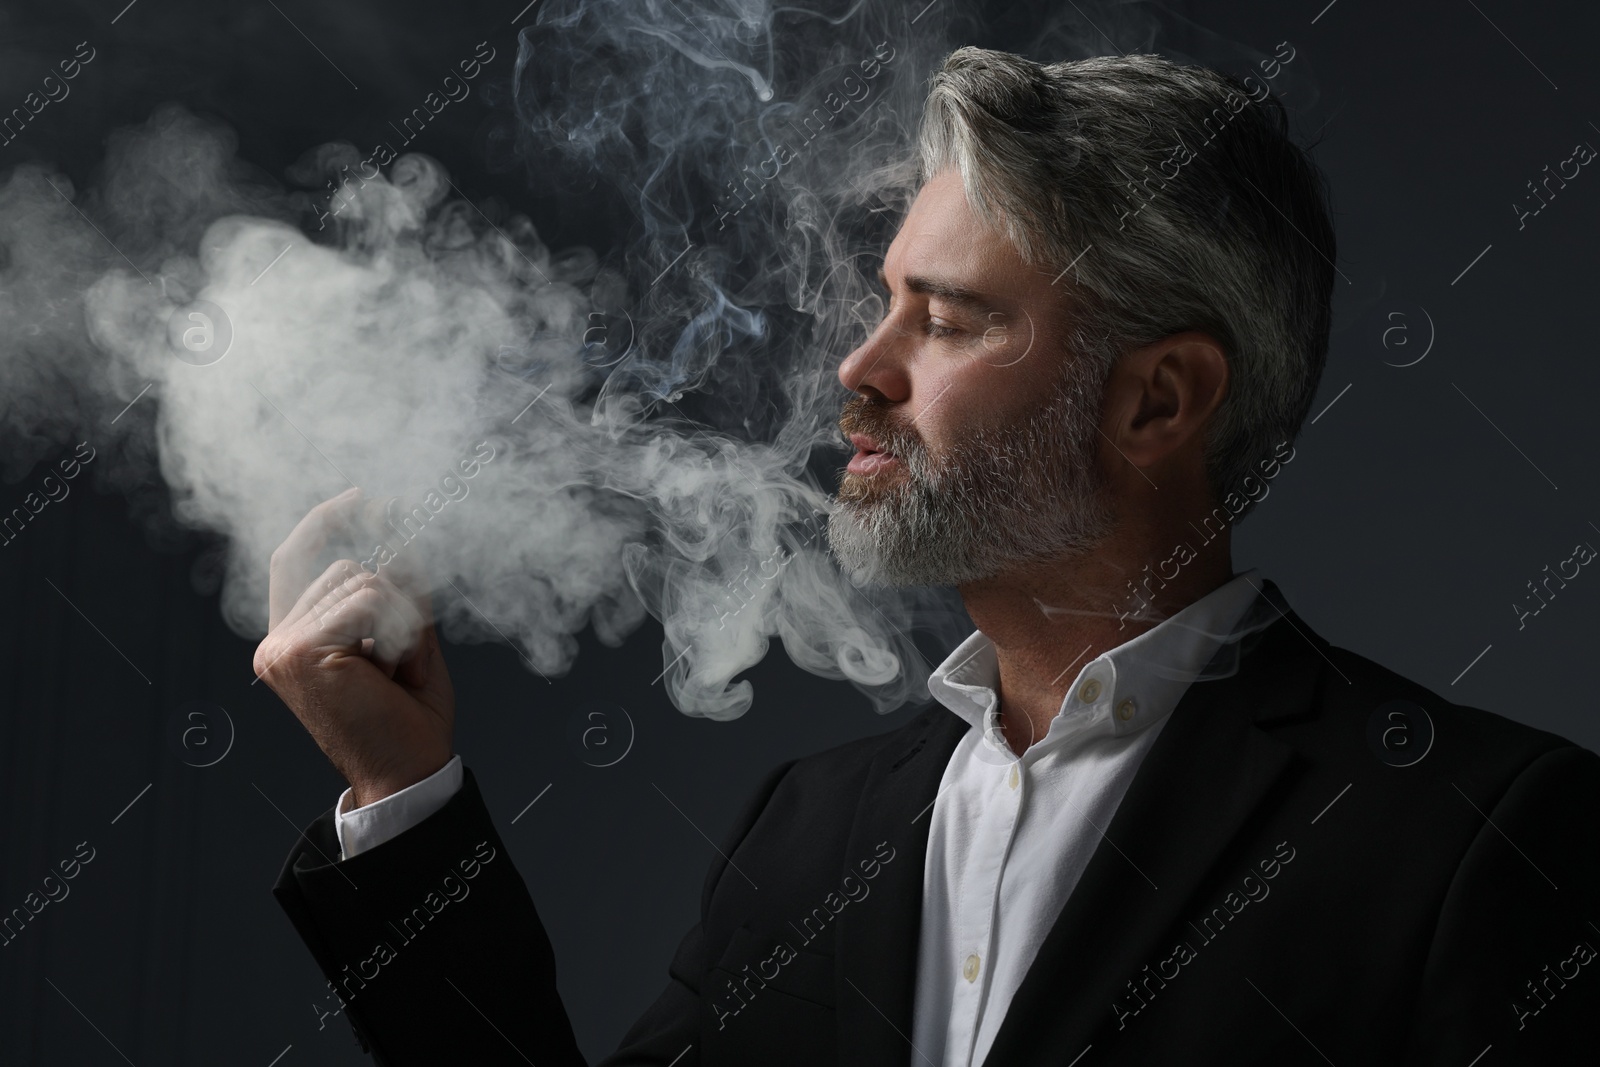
(369, 826)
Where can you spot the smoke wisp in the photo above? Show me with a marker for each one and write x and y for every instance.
(648, 427)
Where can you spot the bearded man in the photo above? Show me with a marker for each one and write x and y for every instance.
(1151, 816)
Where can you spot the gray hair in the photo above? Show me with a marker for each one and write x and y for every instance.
(1178, 200)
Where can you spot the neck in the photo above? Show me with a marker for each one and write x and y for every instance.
(1048, 619)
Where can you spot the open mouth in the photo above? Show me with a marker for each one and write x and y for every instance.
(869, 458)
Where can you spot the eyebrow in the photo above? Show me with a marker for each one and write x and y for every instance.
(960, 295)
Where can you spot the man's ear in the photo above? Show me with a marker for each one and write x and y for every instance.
(1162, 395)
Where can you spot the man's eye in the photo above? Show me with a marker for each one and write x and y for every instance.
(938, 329)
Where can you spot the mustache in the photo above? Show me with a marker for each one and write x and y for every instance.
(862, 415)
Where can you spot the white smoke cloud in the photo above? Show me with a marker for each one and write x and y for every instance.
(652, 414)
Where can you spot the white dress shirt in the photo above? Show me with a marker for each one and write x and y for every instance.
(375, 823)
(1010, 835)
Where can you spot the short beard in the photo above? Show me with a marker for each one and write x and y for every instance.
(1002, 498)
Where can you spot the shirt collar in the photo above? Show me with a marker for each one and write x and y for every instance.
(1127, 688)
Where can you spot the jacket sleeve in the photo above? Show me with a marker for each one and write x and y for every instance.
(1513, 964)
(433, 944)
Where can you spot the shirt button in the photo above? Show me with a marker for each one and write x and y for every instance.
(1125, 710)
(1089, 691)
(1015, 777)
(969, 969)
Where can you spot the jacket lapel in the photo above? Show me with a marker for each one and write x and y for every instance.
(877, 938)
(1207, 774)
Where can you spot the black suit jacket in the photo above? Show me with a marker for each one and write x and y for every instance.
(1269, 891)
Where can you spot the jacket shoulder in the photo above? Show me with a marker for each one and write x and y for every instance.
(1392, 711)
(853, 759)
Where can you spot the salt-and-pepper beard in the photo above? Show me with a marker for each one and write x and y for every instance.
(999, 498)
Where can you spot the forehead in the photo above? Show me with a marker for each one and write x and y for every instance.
(941, 235)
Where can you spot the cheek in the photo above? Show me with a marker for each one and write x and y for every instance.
(972, 396)
(942, 405)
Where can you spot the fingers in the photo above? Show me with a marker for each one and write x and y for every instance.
(348, 523)
(369, 607)
(346, 574)
(292, 562)
(351, 610)
(341, 572)
(402, 557)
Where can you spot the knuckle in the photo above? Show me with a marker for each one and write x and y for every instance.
(364, 585)
(368, 597)
(266, 658)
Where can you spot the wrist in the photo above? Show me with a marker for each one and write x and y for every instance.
(365, 791)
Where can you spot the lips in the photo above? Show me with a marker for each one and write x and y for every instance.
(870, 456)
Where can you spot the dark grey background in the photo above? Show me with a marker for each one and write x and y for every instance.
(1416, 508)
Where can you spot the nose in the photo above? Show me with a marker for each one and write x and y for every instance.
(877, 368)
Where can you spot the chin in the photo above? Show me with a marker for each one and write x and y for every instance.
(859, 549)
